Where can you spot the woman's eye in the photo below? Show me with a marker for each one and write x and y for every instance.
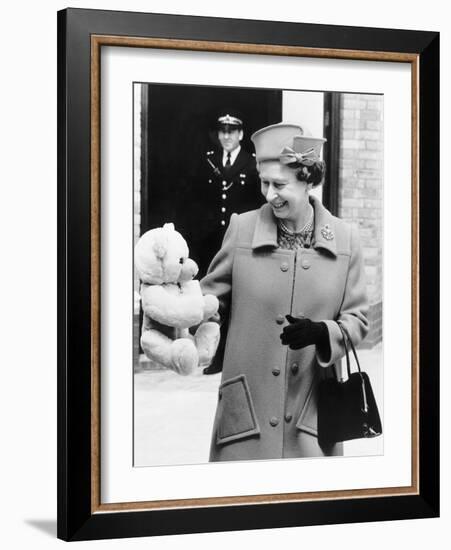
(182, 260)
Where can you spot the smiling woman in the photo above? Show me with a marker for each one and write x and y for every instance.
(286, 274)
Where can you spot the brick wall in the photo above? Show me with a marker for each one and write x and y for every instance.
(360, 190)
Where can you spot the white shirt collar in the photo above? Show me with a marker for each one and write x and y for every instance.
(233, 155)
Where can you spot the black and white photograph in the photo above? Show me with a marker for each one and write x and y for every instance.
(258, 274)
(247, 346)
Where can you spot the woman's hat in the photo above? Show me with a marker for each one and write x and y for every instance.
(286, 143)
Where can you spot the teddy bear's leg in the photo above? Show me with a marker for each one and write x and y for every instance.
(184, 356)
(207, 340)
(157, 347)
(178, 355)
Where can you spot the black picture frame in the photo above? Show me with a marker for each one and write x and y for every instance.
(78, 513)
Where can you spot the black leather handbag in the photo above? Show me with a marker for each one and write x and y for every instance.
(347, 409)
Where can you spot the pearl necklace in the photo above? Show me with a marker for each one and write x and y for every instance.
(307, 227)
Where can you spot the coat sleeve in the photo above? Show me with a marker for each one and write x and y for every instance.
(354, 308)
(218, 280)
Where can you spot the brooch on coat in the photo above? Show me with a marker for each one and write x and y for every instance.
(327, 232)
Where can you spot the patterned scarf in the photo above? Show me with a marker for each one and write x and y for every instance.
(289, 240)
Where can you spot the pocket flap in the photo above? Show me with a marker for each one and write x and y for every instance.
(236, 415)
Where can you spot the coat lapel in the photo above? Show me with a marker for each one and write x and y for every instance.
(239, 163)
(217, 159)
(325, 231)
(265, 233)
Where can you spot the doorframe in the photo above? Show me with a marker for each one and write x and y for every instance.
(332, 129)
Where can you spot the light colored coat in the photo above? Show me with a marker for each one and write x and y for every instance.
(267, 400)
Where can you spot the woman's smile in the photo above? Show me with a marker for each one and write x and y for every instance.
(279, 205)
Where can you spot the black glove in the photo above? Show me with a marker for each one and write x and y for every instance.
(304, 332)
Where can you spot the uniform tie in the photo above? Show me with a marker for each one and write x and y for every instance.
(227, 166)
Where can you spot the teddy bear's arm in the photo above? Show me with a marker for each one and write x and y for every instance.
(211, 306)
(167, 305)
(210, 303)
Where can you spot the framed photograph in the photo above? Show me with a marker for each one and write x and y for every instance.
(243, 204)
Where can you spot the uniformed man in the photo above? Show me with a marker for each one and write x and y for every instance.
(232, 181)
(232, 186)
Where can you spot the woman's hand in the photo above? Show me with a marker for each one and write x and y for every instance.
(304, 332)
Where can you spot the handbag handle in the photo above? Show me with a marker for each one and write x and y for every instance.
(346, 339)
(345, 344)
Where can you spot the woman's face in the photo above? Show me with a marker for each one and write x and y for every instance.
(287, 196)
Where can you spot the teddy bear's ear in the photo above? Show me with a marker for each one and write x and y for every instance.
(169, 226)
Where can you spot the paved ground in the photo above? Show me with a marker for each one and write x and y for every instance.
(174, 414)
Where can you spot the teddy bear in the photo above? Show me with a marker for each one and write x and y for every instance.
(172, 303)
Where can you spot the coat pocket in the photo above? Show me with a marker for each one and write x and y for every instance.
(236, 417)
(308, 419)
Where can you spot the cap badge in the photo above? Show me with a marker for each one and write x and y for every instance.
(327, 232)
(230, 120)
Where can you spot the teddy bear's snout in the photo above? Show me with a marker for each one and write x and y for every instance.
(189, 271)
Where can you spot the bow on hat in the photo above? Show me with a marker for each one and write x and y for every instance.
(289, 155)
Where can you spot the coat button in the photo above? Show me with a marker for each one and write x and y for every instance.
(288, 417)
(284, 266)
(280, 319)
(222, 222)
(294, 368)
(305, 264)
(224, 196)
(273, 421)
(276, 371)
